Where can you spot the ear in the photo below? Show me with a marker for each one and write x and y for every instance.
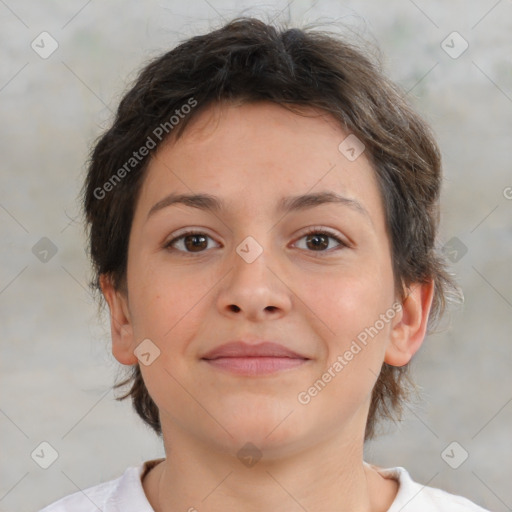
(120, 325)
(408, 331)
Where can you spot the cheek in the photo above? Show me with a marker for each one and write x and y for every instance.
(357, 308)
(351, 299)
(360, 318)
(164, 297)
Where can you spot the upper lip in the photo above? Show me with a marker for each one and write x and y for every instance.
(244, 349)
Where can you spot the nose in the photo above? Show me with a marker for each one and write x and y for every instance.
(254, 287)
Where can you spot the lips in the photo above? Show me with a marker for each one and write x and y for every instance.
(251, 360)
(241, 349)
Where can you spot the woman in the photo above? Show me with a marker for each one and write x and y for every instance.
(263, 216)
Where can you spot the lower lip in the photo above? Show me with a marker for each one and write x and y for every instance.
(255, 365)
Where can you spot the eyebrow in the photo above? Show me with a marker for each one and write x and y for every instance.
(287, 204)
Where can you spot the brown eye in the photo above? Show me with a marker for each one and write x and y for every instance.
(190, 242)
(194, 242)
(318, 241)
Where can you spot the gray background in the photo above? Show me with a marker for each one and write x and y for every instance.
(57, 370)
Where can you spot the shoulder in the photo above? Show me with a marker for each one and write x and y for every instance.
(124, 493)
(88, 500)
(413, 496)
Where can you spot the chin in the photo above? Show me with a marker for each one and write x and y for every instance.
(269, 430)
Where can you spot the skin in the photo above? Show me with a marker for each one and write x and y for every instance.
(314, 301)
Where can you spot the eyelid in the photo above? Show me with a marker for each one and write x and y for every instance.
(342, 242)
(179, 235)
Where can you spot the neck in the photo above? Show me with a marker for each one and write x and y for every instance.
(327, 476)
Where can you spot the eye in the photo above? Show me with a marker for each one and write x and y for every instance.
(318, 239)
(192, 241)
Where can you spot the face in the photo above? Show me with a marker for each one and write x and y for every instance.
(313, 277)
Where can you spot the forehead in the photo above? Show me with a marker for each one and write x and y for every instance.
(253, 155)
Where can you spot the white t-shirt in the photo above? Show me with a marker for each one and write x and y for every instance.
(126, 494)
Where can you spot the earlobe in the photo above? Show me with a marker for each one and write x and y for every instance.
(408, 332)
(120, 323)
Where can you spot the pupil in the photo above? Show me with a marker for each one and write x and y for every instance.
(194, 244)
(316, 238)
(318, 241)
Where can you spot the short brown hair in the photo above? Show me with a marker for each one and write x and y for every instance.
(248, 60)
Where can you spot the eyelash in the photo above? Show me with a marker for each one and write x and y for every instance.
(311, 231)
